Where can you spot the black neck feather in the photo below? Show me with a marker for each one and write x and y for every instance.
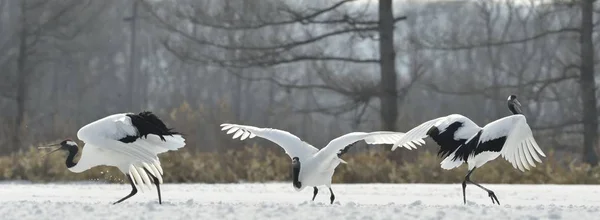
(296, 173)
(72, 152)
(514, 109)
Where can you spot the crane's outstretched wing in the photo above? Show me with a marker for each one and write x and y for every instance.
(510, 137)
(520, 148)
(128, 140)
(377, 137)
(292, 145)
(448, 132)
(417, 133)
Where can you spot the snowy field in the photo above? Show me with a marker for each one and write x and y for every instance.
(281, 201)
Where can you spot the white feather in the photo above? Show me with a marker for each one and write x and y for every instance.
(158, 167)
(145, 178)
(238, 134)
(449, 163)
(147, 167)
(245, 135)
(139, 182)
(233, 129)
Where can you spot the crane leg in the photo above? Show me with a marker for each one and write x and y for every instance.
(133, 191)
(155, 183)
(491, 193)
(332, 198)
(464, 185)
(315, 191)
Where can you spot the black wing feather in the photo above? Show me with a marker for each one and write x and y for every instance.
(446, 139)
(473, 147)
(147, 123)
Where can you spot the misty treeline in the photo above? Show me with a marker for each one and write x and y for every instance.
(315, 68)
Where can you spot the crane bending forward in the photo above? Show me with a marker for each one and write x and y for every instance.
(128, 141)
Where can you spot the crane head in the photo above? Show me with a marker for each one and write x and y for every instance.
(514, 105)
(66, 145)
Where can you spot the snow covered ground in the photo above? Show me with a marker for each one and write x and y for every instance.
(281, 201)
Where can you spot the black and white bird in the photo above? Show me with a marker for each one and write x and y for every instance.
(128, 141)
(311, 166)
(461, 140)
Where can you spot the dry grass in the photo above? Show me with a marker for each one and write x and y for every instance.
(257, 164)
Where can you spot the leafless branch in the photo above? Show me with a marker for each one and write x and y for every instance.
(482, 91)
(504, 42)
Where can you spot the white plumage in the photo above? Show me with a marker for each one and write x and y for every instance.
(130, 142)
(315, 167)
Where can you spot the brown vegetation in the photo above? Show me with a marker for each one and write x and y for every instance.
(260, 164)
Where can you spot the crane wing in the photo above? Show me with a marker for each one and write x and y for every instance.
(419, 132)
(378, 137)
(292, 145)
(123, 145)
(450, 132)
(510, 136)
(520, 148)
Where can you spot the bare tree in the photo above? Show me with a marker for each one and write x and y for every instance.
(131, 79)
(545, 41)
(588, 83)
(296, 36)
(387, 63)
(42, 24)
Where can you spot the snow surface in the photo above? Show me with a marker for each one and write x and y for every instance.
(281, 201)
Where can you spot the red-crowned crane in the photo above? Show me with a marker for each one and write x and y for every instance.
(311, 166)
(128, 141)
(461, 140)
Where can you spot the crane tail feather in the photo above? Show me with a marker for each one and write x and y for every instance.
(145, 165)
(157, 174)
(157, 165)
(450, 163)
(146, 180)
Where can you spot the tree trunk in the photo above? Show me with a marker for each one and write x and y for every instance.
(21, 85)
(237, 93)
(387, 58)
(236, 98)
(132, 60)
(587, 83)
(306, 121)
(271, 103)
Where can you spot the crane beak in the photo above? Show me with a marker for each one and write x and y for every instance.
(518, 106)
(517, 102)
(51, 146)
